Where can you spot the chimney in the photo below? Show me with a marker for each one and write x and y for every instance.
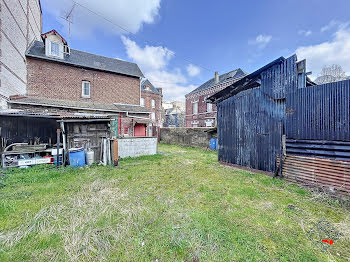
(216, 78)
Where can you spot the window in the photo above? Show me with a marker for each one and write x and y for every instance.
(55, 49)
(153, 116)
(142, 102)
(209, 123)
(153, 103)
(209, 107)
(195, 108)
(85, 89)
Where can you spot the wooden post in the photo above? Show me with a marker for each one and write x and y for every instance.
(115, 152)
(58, 147)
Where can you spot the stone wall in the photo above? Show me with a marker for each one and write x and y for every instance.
(193, 137)
(137, 146)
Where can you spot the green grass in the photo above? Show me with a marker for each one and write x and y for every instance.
(178, 206)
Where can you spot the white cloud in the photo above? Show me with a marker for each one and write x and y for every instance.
(305, 32)
(130, 15)
(261, 41)
(193, 70)
(335, 51)
(154, 62)
(330, 25)
(149, 57)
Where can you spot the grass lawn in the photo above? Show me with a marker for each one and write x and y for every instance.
(178, 206)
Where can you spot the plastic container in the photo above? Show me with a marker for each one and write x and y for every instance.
(213, 143)
(90, 157)
(76, 157)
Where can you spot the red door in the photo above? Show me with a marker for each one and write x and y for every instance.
(140, 130)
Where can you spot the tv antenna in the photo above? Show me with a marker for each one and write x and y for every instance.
(68, 19)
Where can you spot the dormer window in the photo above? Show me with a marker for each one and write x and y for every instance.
(54, 49)
(55, 45)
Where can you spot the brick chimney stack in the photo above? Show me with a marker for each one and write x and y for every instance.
(216, 78)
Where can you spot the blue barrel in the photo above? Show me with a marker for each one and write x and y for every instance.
(212, 144)
(76, 157)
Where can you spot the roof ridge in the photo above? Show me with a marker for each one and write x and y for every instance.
(208, 84)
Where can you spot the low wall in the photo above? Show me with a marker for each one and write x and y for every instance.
(137, 146)
(194, 137)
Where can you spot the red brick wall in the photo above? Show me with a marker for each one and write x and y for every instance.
(58, 81)
(148, 96)
(202, 110)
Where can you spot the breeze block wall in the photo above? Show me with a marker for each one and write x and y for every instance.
(137, 146)
(193, 137)
(60, 81)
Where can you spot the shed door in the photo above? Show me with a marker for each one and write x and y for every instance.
(140, 130)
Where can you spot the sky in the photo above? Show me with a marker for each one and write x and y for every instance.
(179, 44)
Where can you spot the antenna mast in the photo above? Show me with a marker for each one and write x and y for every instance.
(68, 18)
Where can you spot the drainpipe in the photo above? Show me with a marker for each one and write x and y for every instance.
(120, 124)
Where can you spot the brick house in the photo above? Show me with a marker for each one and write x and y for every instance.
(62, 80)
(151, 99)
(20, 24)
(202, 114)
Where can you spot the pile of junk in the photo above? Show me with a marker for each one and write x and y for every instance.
(23, 155)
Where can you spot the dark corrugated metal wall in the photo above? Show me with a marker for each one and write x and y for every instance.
(251, 123)
(320, 112)
(251, 136)
(318, 136)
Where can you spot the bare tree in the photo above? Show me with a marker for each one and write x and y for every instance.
(330, 74)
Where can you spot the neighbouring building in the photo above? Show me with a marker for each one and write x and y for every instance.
(199, 113)
(20, 24)
(151, 99)
(174, 114)
(69, 81)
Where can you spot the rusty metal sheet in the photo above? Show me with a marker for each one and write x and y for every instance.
(330, 174)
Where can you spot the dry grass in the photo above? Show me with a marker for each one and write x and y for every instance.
(179, 206)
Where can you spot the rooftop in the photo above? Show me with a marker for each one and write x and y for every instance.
(146, 85)
(87, 60)
(232, 75)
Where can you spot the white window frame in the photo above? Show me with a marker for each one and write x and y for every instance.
(83, 89)
(142, 101)
(209, 122)
(58, 49)
(195, 106)
(153, 103)
(209, 107)
(153, 116)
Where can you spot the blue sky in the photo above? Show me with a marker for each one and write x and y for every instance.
(179, 44)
